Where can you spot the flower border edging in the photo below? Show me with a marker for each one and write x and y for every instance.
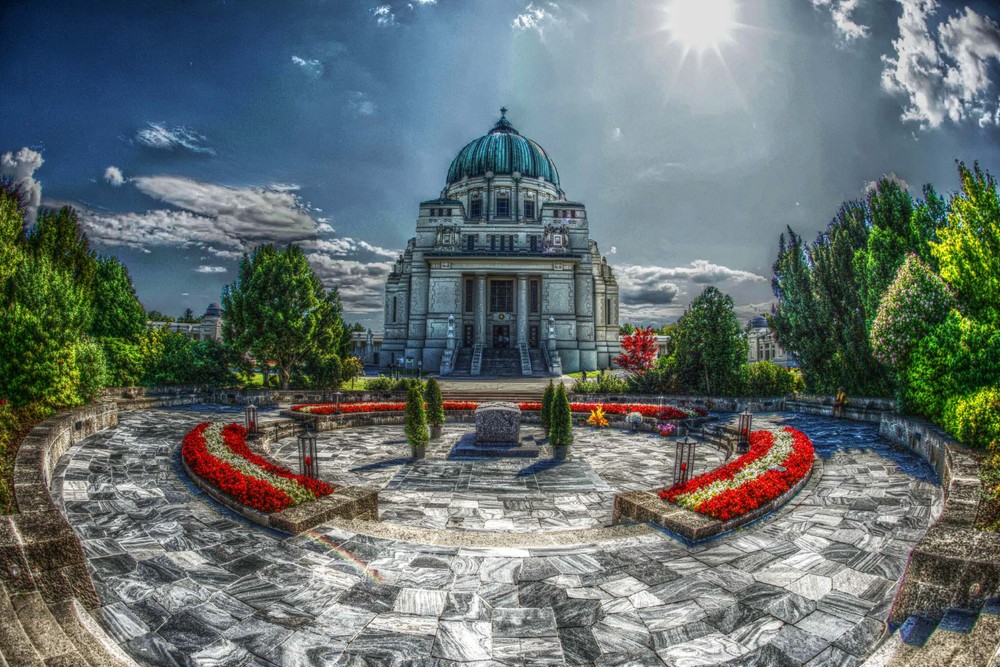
(351, 502)
(648, 507)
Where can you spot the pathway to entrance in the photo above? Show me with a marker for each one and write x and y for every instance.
(183, 581)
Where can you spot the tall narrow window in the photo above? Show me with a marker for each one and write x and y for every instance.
(607, 311)
(470, 242)
(393, 309)
(501, 296)
(476, 208)
(533, 242)
(533, 296)
(470, 295)
(529, 210)
(503, 206)
(493, 242)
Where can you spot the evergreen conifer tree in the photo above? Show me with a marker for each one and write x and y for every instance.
(416, 419)
(547, 398)
(561, 421)
(435, 406)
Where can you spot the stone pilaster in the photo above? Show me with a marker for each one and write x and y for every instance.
(481, 306)
(522, 309)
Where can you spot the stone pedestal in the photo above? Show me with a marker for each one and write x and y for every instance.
(498, 424)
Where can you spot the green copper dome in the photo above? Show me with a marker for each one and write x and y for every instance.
(503, 151)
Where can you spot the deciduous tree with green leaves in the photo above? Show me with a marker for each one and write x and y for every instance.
(710, 350)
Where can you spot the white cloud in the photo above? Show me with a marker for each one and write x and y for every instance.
(658, 285)
(842, 12)
(870, 185)
(361, 284)
(158, 135)
(944, 73)
(383, 15)
(210, 269)
(113, 175)
(537, 17)
(360, 104)
(20, 168)
(310, 65)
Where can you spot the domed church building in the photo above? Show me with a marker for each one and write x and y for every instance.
(502, 277)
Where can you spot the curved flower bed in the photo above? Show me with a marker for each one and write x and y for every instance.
(220, 456)
(646, 410)
(776, 462)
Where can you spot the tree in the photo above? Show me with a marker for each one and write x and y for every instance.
(916, 302)
(638, 351)
(59, 237)
(278, 310)
(351, 368)
(117, 311)
(188, 317)
(45, 314)
(546, 413)
(416, 418)
(561, 428)
(710, 347)
(12, 238)
(968, 249)
(157, 316)
(626, 329)
(435, 405)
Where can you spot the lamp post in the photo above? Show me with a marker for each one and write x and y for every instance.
(308, 465)
(745, 424)
(250, 418)
(337, 394)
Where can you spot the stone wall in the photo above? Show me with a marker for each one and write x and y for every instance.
(953, 565)
(716, 403)
(858, 409)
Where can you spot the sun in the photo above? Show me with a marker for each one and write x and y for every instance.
(700, 25)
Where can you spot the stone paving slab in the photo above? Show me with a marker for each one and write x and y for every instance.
(183, 581)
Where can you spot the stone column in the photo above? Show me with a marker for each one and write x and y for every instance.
(481, 306)
(522, 309)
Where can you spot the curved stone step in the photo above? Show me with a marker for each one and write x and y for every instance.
(42, 628)
(93, 643)
(15, 645)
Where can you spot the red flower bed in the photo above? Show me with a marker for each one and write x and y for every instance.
(759, 491)
(256, 493)
(666, 412)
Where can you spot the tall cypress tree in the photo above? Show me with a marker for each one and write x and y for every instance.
(546, 415)
(416, 418)
(561, 428)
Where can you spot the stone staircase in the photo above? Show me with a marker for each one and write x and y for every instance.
(501, 362)
(35, 634)
(960, 639)
(538, 367)
(463, 362)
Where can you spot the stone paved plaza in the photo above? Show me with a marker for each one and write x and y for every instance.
(184, 581)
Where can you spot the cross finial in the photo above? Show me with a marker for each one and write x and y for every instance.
(503, 111)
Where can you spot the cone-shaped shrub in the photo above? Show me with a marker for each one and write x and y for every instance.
(416, 418)
(435, 406)
(561, 421)
(547, 398)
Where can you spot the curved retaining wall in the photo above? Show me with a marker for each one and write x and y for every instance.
(953, 565)
(42, 563)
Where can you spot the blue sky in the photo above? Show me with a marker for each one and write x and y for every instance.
(187, 132)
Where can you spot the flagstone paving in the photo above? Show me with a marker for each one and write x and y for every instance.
(522, 495)
(184, 581)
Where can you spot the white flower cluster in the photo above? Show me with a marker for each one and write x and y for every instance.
(217, 448)
(780, 450)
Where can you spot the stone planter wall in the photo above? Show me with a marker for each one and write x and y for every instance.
(953, 565)
(718, 403)
(297, 396)
(858, 409)
(648, 507)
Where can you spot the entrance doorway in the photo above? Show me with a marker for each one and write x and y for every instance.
(468, 335)
(501, 336)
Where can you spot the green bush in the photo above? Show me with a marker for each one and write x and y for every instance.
(380, 383)
(765, 378)
(975, 419)
(350, 369)
(561, 421)
(416, 418)
(604, 384)
(93, 369)
(323, 371)
(546, 412)
(435, 405)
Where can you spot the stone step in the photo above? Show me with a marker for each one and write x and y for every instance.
(43, 630)
(90, 639)
(15, 645)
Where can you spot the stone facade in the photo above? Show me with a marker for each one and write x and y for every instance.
(501, 260)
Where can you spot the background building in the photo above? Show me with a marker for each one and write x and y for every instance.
(763, 344)
(502, 276)
(209, 328)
